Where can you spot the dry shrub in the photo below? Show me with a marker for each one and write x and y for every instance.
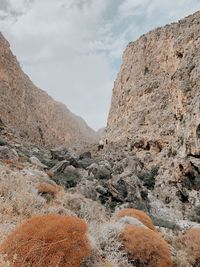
(106, 263)
(50, 173)
(138, 214)
(85, 208)
(49, 240)
(4, 262)
(8, 161)
(131, 220)
(191, 240)
(45, 188)
(107, 240)
(145, 247)
(55, 210)
(18, 197)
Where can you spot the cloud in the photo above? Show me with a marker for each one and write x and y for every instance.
(73, 48)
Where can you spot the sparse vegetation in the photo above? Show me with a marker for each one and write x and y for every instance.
(48, 240)
(47, 190)
(192, 242)
(145, 247)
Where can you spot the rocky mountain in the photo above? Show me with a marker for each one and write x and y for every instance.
(155, 108)
(133, 203)
(31, 112)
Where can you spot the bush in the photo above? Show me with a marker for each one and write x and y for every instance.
(191, 241)
(138, 214)
(48, 240)
(47, 190)
(145, 247)
(18, 196)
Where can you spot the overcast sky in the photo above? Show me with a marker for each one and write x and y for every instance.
(72, 48)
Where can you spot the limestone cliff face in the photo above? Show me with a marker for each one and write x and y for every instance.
(156, 96)
(33, 114)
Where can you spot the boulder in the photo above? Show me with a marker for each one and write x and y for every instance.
(60, 167)
(86, 155)
(62, 153)
(85, 163)
(3, 142)
(103, 173)
(37, 162)
(69, 178)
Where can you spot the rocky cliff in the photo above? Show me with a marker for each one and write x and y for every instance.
(31, 113)
(155, 107)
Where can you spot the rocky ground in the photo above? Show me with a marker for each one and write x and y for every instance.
(92, 185)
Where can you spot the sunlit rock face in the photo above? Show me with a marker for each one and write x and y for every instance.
(156, 96)
(33, 114)
(155, 109)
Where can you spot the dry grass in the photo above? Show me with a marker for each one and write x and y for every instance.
(4, 262)
(49, 240)
(188, 245)
(18, 197)
(138, 214)
(87, 209)
(145, 247)
(106, 238)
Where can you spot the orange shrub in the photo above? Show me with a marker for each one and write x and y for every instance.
(192, 242)
(8, 161)
(138, 214)
(45, 188)
(50, 173)
(145, 247)
(48, 240)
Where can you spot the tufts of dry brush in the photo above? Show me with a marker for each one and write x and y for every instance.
(138, 214)
(145, 247)
(191, 241)
(48, 240)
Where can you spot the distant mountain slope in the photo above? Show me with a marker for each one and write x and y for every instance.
(31, 112)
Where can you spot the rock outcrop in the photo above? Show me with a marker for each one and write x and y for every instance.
(31, 112)
(156, 96)
(155, 109)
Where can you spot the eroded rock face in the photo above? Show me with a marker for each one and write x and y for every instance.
(155, 110)
(156, 97)
(33, 114)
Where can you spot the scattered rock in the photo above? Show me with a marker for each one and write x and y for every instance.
(86, 155)
(3, 142)
(103, 173)
(62, 153)
(60, 167)
(85, 163)
(69, 178)
(37, 162)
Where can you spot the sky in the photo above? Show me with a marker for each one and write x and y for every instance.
(72, 49)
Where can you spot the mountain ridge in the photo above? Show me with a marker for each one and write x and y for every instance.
(32, 113)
